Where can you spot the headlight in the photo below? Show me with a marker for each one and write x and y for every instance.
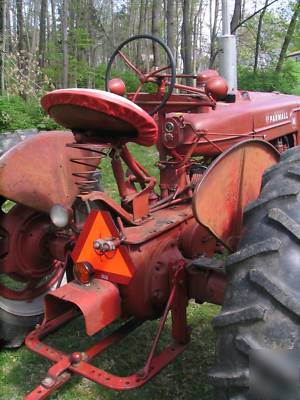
(60, 216)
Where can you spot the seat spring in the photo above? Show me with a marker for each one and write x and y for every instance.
(87, 179)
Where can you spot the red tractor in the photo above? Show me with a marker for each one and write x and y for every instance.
(223, 187)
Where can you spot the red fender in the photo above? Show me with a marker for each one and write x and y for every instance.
(38, 172)
(232, 182)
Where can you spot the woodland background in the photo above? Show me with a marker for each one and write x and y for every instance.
(47, 44)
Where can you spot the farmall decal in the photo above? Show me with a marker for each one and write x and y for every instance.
(277, 116)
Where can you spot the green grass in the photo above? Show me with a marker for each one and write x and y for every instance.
(184, 379)
(15, 113)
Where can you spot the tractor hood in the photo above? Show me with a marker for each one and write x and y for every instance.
(253, 115)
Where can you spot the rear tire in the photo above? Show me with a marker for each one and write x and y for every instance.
(13, 328)
(18, 318)
(262, 303)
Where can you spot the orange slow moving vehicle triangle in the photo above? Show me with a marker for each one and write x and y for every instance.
(114, 266)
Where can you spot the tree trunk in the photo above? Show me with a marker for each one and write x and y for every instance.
(20, 25)
(196, 35)
(53, 20)
(35, 33)
(73, 48)
(112, 24)
(65, 13)
(48, 26)
(187, 41)
(8, 28)
(213, 35)
(251, 15)
(42, 40)
(156, 10)
(288, 37)
(171, 33)
(178, 34)
(140, 29)
(2, 44)
(237, 14)
(258, 36)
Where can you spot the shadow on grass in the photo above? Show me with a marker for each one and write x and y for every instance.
(184, 379)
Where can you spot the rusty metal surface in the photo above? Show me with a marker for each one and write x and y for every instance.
(232, 181)
(195, 240)
(206, 280)
(103, 199)
(161, 221)
(99, 303)
(38, 172)
(150, 283)
(253, 115)
(30, 252)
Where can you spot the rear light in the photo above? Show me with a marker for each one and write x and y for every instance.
(83, 272)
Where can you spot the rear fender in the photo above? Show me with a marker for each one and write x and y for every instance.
(38, 172)
(231, 182)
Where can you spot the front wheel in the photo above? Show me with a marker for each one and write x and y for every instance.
(259, 326)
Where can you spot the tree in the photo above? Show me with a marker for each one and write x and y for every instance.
(140, 31)
(186, 47)
(258, 36)
(20, 25)
(236, 17)
(213, 33)
(65, 13)
(171, 33)
(156, 5)
(2, 43)
(288, 37)
(243, 22)
(42, 40)
(53, 20)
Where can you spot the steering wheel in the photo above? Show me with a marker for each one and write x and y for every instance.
(152, 76)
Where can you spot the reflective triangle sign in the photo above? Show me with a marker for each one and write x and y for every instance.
(115, 266)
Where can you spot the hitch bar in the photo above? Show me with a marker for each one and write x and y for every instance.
(78, 362)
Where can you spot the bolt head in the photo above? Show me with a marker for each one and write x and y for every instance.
(169, 127)
(48, 382)
(76, 357)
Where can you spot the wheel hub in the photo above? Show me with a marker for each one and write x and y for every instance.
(26, 254)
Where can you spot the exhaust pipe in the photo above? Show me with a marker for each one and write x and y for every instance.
(228, 53)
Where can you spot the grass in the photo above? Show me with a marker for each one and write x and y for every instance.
(184, 379)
